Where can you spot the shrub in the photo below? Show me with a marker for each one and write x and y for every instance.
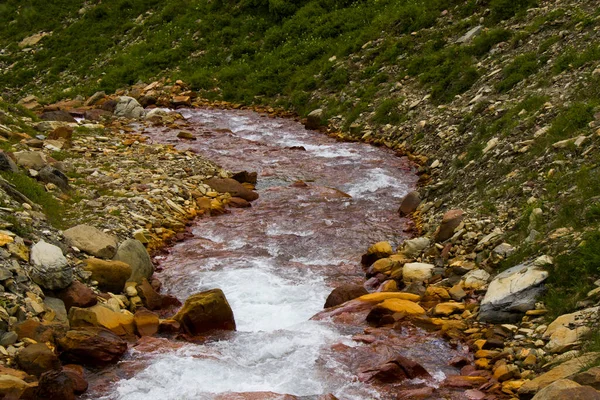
(505, 9)
(521, 68)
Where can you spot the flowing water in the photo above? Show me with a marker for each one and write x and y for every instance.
(276, 263)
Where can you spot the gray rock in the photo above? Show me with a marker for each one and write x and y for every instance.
(59, 115)
(49, 267)
(30, 159)
(409, 204)
(414, 247)
(513, 292)
(129, 107)
(9, 338)
(7, 164)
(133, 252)
(49, 174)
(95, 99)
(92, 241)
(467, 37)
(61, 319)
(313, 120)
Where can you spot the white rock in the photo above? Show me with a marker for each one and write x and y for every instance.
(417, 272)
(476, 279)
(49, 266)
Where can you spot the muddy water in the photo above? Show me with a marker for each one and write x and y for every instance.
(276, 263)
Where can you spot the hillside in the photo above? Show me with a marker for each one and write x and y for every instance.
(498, 101)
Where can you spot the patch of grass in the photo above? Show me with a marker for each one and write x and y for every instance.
(576, 58)
(505, 9)
(521, 68)
(388, 113)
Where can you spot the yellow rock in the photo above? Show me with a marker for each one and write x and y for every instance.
(480, 343)
(389, 286)
(121, 323)
(383, 265)
(482, 363)
(486, 353)
(513, 386)
(454, 324)
(381, 249)
(402, 306)
(377, 297)
(437, 292)
(448, 308)
(5, 239)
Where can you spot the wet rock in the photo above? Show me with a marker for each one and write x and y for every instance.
(49, 174)
(111, 275)
(56, 385)
(313, 119)
(77, 295)
(36, 359)
(186, 135)
(450, 222)
(401, 306)
(77, 375)
(233, 187)
(128, 107)
(92, 241)
(49, 267)
(151, 299)
(460, 381)
(343, 294)
(409, 204)
(396, 370)
(417, 272)
(246, 177)
(206, 311)
(120, 323)
(512, 293)
(146, 322)
(379, 297)
(238, 202)
(92, 346)
(376, 252)
(133, 252)
(59, 115)
(565, 389)
(35, 330)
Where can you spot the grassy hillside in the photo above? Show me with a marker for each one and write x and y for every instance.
(508, 119)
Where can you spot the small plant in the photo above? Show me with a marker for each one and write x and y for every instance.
(521, 68)
(388, 113)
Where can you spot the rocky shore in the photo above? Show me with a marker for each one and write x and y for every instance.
(75, 298)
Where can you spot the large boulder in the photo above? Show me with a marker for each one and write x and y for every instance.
(92, 346)
(120, 323)
(206, 311)
(36, 359)
(49, 267)
(77, 294)
(92, 241)
(233, 187)
(111, 275)
(564, 389)
(344, 293)
(133, 252)
(129, 107)
(513, 292)
(313, 119)
(450, 221)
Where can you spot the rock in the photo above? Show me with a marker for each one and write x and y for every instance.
(151, 299)
(414, 247)
(56, 314)
(12, 387)
(30, 159)
(396, 370)
(313, 119)
(238, 202)
(92, 346)
(562, 371)
(409, 204)
(33, 40)
(186, 135)
(97, 114)
(133, 252)
(49, 267)
(57, 116)
(343, 294)
(233, 187)
(206, 311)
(77, 295)
(512, 293)
(565, 389)
(450, 222)
(36, 359)
(467, 37)
(129, 107)
(246, 177)
(401, 306)
(417, 272)
(476, 279)
(8, 338)
(62, 133)
(6, 163)
(506, 372)
(120, 323)
(56, 385)
(449, 308)
(376, 252)
(111, 275)
(591, 377)
(95, 99)
(92, 241)
(77, 375)
(146, 322)
(35, 330)
(379, 297)
(49, 174)
(457, 293)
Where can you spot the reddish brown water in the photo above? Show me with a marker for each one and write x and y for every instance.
(276, 263)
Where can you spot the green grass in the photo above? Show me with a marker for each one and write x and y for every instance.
(388, 113)
(521, 68)
(576, 58)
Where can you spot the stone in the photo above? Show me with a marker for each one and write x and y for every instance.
(111, 275)
(133, 252)
(468, 37)
(58, 115)
(8, 338)
(343, 294)
(92, 241)
(36, 359)
(562, 371)
(186, 135)
(30, 159)
(77, 375)
(56, 385)
(449, 308)
(591, 377)
(414, 247)
(150, 298)
(120, 323)
(206, 311)
(95, 99)
(246, 177)
(313, 119)
(450, 221)
(129, 107)
(476, 279)
(49, 174)
(401, 306)
(77, 295)
(35, 330)
(417, 272)
(233, 187)
(409, 204)
(512, 293)
(56, 314)
(457, 293)
(379, 297)
(7, 163)
(31, 41)
(395, 370)
(92, 346)
(146, 322)
(563, 338)
(49, 267)
(506, 372)
(564, 389)
(12, 387)
(238, 202)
